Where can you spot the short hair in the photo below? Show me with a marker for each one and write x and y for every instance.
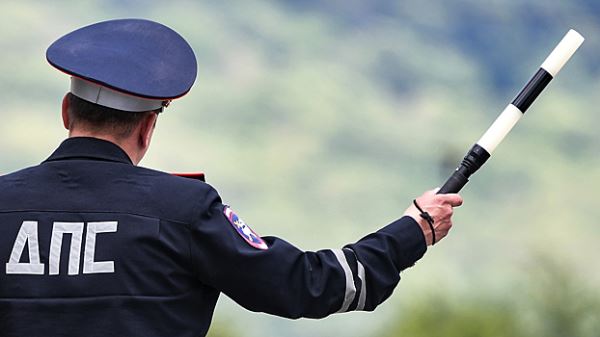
(98, 118)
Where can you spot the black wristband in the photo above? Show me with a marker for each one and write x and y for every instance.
(427, 218)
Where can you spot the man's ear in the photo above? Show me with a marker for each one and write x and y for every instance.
(147, 129)
(65, 112)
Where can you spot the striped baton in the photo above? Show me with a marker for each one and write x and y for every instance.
(482, 150)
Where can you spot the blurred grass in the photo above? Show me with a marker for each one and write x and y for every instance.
(553, 303)
(469, 318)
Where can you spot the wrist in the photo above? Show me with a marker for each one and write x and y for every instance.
(414, 213)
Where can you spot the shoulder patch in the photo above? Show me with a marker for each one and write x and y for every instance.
(244, 231)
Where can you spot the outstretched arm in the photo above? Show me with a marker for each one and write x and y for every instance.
(282, 280)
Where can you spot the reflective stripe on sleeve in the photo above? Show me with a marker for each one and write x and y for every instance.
(350, 289)
(362, 298)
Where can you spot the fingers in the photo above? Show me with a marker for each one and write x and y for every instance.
(453, 200)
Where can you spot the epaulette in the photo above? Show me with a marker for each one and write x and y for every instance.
(194, 175)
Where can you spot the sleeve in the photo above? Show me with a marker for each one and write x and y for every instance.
(283, 280)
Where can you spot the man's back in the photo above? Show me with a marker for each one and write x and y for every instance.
(95, 245)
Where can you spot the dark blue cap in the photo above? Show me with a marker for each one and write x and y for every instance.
(126, 59)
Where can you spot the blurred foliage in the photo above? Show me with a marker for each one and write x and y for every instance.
(553, 303)
(561, 304)
(319, 121)
(220, 328)
(467, 318)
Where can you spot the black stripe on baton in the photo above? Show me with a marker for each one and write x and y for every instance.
(532, 90)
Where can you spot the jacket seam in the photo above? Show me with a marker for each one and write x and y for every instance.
(92, 211)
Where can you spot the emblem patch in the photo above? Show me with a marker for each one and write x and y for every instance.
(244, 231)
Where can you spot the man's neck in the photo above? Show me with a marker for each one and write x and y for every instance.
(126, 144)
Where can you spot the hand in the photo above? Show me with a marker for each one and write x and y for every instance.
(440, 207)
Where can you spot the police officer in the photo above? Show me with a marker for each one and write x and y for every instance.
(94, 245)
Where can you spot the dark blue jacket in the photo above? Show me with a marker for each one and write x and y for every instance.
(92, 245)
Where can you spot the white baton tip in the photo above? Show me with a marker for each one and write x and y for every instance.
(562, 52)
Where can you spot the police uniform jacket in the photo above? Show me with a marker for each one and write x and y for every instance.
(95, 246)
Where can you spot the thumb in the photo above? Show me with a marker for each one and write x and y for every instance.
(431, 192)
(452, 199)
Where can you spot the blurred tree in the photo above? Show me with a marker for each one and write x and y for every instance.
(221, 329)
(474, 317)
(552, 303)
(562, 306)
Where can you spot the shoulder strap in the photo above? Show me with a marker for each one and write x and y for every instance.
(192, 175)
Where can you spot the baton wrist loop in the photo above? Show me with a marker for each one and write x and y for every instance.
(427, 218)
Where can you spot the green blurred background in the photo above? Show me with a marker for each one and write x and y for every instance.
(319, 121)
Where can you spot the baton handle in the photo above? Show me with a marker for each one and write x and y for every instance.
(474, 159)
(454, 183)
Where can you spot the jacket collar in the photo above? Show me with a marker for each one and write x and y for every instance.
(90, 149)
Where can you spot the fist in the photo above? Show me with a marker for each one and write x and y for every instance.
(440, 208)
